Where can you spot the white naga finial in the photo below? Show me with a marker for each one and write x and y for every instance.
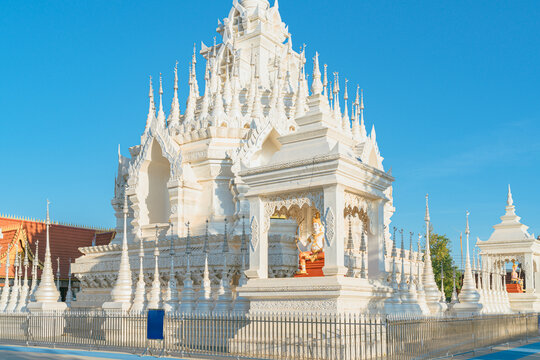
(509, 200)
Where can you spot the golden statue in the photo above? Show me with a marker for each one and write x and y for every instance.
(515, 277)
(315, 242)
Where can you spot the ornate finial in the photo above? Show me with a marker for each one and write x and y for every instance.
(362, 99)
(225, 239)
(509, 200)
(350, 243)
(151, 89)
(325, 80)
(346, 93)
(188, 239)
(205, 246)
(402, 244)
(336, 83)
(125, 208)
(467, 230)
(394, 251)
(410, 245)
(426, 218)
(176, 75)
(48, 219)
(316, 86)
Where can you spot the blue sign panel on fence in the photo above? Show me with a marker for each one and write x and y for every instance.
(154, 330)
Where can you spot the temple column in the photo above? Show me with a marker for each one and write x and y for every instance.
(334, 251)
(529, 279)
(258, 249)
(375, 241)
(176, 199)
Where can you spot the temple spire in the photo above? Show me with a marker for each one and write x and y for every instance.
(139, 299)
(161, 113)
(187, 303)
(337, 109)
(224, 298)
(468, 296)
(235, 110)
(205, 107)
(154, 298)
(316, 85)
(300, 109)
(69, 294)
(121, 292)
(205, 303)
(227, 87)
(325, 82)
(363, 132)
(356, 119)
(194, 72)
(175, 106)
(170, 302)
(509, 199)
(151, 107)
(6, 289)
(46, 294)
(35, 261)
(257, 112)
(345, 122)
(432, 293)
(23, 296)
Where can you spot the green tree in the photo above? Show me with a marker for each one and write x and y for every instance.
(440, 254)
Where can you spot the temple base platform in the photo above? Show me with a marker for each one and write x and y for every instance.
(514, 288)
(524, 302)
(327, 294)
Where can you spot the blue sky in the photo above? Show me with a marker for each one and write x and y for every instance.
(452, 88)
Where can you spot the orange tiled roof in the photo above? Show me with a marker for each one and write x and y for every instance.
(65, 242)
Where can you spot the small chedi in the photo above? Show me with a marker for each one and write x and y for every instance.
(265, 193)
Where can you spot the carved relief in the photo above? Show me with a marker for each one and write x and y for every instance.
(356, 205)
(254, 233)
(329, 225)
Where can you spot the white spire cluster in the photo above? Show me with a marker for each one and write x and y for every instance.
(248, 86)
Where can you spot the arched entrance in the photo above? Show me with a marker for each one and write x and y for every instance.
(154, 195)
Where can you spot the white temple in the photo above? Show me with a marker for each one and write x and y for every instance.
(258, 142)
(221, 196)
(510, 242)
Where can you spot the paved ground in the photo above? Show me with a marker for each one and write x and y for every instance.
(511, 351)
(8, 352)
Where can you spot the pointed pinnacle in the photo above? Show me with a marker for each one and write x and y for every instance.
(426, 218)
(467, 230)
(509, 199)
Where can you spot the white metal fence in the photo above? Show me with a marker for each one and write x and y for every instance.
(271, 336)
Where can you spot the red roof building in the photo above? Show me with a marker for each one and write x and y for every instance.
(65, 241)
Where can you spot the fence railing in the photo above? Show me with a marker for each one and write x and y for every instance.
(431, 337)
(271, 336)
